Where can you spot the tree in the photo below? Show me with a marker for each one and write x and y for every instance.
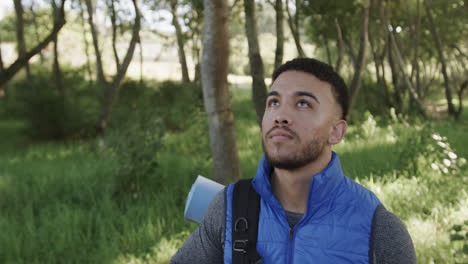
(36, 28)
(279, 34)
(180, 41)
(293, 23)
(21, 61)
(440, 53)
(359, 63)
(56, 67)
(255, 59)
(20, 33)
(85, 41)
(216, 96)
(111, 89)
(387, 27)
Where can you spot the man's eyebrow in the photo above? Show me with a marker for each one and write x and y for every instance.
(302, 93)
(273, 93)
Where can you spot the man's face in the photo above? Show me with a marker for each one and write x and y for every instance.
(298, 121)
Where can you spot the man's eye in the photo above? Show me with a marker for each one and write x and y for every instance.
(273, 102)
(303, 103)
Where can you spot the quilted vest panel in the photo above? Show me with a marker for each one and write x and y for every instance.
(335, 228)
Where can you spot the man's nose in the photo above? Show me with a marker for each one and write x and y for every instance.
(282, 119)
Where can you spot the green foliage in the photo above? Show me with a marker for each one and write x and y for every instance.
(176, 103)
(43, 20)
(49, 114)
(135, 146)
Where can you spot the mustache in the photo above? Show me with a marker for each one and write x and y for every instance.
(292, 132)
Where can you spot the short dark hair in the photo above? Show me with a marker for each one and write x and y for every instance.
(323, 72)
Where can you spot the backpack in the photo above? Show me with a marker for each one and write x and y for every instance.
(245, 214)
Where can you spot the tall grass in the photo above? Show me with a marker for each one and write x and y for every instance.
(58, 202)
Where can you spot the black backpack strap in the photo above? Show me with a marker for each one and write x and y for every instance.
(245, 211)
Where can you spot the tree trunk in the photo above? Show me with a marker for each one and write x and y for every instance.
(56, 67)
(20, 33)
(339, 44)
(36, 30)
(394, 71)
(226, 165)
(350, 49)
(438, 42)
(378, 54)
(377, 64)
(360, 60)
(256, 64)
(99, 69)
(111, 90)
(113, 18)
(140, 46)
(401, 64)
(85, 42)
(1, 59)
(327, 48)
(279, 34)
(180, 42)
(295, 32)
(21, 61)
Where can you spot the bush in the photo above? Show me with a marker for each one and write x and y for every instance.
(50, 115)
(135, 145)
(176, 103)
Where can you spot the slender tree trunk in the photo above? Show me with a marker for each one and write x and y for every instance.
(197, 73)
(226, 165)
(2, 68)
(360, 60)
(377, 64)
(111, 90)
(86, 43)
(295, 32)
(378, 55)
(394, 71)
(180, 42)
(56, 67)
(36, 30)
(20, 33)
(21, 61)
(256, 64)
(438, 42)
(407, 80)
(339, 44)
(415, 44)
(327, 48)
(279, 34)
(2, 91)
(401, 64)
(99, 68)
(350, 49)
(141, 61)
(113, 18)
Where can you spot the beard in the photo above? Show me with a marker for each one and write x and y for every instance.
(308, 152)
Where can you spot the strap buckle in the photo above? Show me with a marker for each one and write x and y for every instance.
(240, 245)
(241, 225)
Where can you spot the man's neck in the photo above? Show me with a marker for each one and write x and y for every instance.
(291, 188)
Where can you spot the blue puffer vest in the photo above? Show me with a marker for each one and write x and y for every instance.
(335, 228)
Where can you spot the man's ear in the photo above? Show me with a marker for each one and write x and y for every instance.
(337, 132)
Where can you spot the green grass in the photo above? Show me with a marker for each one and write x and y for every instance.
(58, 205)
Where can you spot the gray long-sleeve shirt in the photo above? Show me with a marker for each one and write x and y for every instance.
(390, 242)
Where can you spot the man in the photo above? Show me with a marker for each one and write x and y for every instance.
(309, 211)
